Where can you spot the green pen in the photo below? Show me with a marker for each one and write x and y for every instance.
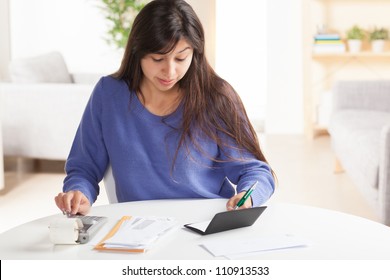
(246, 195)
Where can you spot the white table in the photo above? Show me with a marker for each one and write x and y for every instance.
(332, 235)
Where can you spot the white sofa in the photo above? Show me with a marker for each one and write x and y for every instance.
(360, 134)
(41, 107)
(1, 161)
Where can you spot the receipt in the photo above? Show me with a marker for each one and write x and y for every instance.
(65, 230)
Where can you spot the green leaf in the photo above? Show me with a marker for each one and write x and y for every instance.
(116, 14)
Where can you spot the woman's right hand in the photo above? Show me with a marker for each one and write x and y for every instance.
(73, 202)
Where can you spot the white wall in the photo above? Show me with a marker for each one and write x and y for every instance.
(285, 67)
(241, 52)
(206, 10)
(259, 51)
(4, 38)
(76, 28)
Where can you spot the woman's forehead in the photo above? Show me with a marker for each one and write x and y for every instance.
(177, 47)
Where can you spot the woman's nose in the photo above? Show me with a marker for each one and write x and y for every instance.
(170, 69)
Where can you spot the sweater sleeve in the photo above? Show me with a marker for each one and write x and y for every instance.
(88, 157)
(244, 170)
(246, 174)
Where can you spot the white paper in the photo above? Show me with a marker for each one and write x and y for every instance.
(247, 246)
(139, 232)
(201, 225)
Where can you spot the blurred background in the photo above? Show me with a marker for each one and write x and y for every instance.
(267, 49)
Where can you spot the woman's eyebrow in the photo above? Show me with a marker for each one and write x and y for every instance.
(184, 49)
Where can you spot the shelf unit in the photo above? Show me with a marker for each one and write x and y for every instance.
(320, 71)
(363, 54)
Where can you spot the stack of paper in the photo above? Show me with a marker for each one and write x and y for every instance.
(235, 249)
(136, 234)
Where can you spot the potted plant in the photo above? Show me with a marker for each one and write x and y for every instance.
(377, 38)
(355, 36)
(120, 15)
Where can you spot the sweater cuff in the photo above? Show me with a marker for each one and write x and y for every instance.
(262, 193)
(84, 190)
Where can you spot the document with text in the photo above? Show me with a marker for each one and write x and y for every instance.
(136, 234)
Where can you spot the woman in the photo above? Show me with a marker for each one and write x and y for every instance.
(166, 123)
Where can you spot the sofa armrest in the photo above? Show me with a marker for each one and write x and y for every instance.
(1, 160)
(12, 93)
(365, 95)
(34, 87)
(384, 175)
(40, 120)
(86, 78)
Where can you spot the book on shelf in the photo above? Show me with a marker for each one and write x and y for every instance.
(327, 37)
(328, 43)
(331, 48)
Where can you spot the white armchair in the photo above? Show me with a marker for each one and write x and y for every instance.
(1, 161)
(42, 106)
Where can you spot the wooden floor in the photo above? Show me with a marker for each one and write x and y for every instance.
(304, 169)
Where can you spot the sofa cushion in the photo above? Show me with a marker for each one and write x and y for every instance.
(47, 68)
(356, 141)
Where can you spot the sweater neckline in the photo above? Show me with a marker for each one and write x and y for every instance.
(140, 111)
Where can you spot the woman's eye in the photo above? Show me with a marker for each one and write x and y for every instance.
(157, 59)
(180, 59)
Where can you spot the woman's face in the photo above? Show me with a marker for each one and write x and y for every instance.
(163, 71)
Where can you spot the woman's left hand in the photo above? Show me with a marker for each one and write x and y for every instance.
(232, 202)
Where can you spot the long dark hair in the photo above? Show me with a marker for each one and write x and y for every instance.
(211, 107)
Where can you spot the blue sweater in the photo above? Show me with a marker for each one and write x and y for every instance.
(117, 130)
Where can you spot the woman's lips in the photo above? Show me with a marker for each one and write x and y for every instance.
(166, 82)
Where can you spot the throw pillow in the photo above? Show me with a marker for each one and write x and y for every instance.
(47, 68)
